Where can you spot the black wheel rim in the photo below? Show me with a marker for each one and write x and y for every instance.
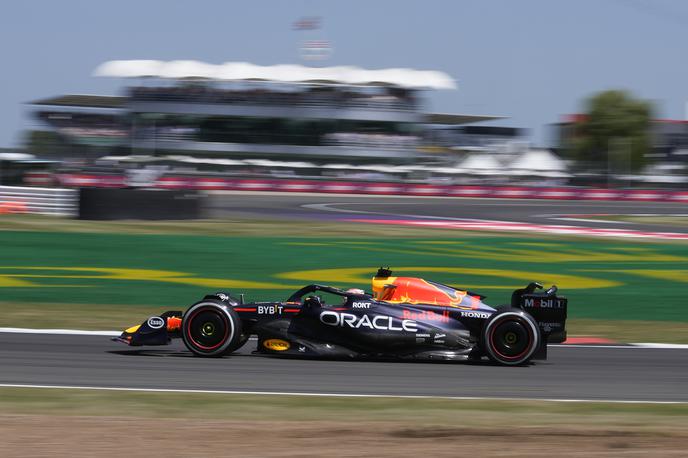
(511, 339)
(207, 329)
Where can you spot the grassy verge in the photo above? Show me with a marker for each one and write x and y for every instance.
(92, 317)
(284, 228)
(416, 411)
(630, 330)
(94, 423)
(218, 227)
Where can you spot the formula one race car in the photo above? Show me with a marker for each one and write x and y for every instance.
(405, 317)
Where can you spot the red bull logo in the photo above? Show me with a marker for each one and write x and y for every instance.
(426, 315)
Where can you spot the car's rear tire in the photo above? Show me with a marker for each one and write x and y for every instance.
(510, 337)
(210, 328)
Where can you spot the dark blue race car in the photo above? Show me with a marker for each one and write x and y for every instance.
(404, 317)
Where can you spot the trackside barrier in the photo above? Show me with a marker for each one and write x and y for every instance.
(131, 203)
(44, 201)
(402, 189)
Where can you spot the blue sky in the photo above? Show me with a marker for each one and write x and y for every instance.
(531, 60)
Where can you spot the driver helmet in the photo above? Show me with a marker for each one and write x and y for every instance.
(313, 301)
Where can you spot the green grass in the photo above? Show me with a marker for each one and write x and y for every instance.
(98, 275)
(242, 226)
(603, 279)
(285, 408)
(219, 227)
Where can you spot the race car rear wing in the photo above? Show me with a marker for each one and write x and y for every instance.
(548, 309)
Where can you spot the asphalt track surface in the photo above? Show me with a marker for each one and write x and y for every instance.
(331, 207)
(599, 373)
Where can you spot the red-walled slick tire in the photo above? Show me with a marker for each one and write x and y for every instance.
(511, 337)
(211, 328)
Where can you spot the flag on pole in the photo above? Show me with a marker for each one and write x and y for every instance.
(307, 23)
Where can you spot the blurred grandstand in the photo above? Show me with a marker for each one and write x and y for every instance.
(238, 119)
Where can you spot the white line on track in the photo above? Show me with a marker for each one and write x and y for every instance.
(584, 220)
(661, 345)
(328, 207)
(80, 332)
(635, 346)
(502, 226)
(70, 332)
(447, 222)
(336, 395)
(660, 215)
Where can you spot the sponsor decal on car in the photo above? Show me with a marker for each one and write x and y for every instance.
(155, 322)
(549, 326)
(381, 322)
(475, 314)
(269, 309)
(426, 315)
(276, 344)
(361, 305)
(439, 338)
(545, 303)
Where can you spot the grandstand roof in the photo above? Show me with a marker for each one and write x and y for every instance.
(80, 100)
(457, 119)
(243, 71)
(111, 101)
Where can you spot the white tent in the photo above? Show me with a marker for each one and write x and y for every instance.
(537, 162)
(243, 71)
(481, 164)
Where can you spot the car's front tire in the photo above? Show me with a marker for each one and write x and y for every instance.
(210, 328)
(510, 337)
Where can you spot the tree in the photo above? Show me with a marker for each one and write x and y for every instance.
(613, 134)
(45, 144)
